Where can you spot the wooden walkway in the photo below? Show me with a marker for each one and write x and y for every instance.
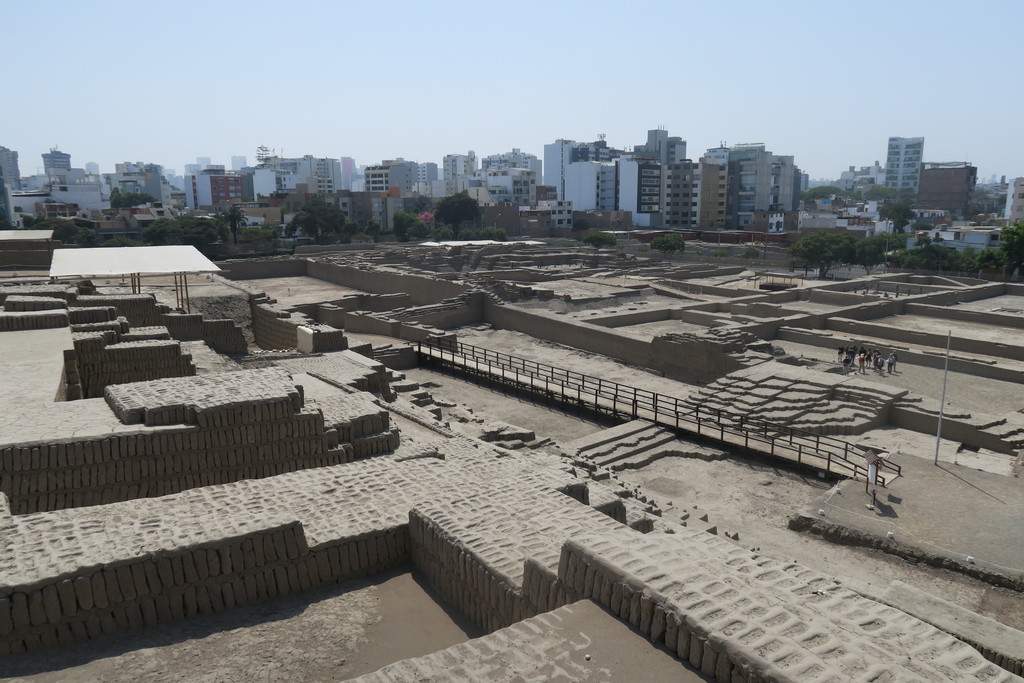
(832, 456)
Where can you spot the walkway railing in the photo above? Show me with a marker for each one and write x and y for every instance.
(834, 456)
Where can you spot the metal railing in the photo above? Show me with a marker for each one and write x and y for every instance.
(835, 456)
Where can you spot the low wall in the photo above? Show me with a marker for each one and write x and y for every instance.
(909, 336)
(95, 363)
(931, 360)
(953, 313)
(252, 269)
(571, 333)
(188, 582)
(633, 318)
(421, 290)
(223, 336)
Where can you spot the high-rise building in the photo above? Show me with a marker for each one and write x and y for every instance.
(238, 163)
(757, 181)
(213, 187)
(456, 168)
(948, 187)
(591, 185)
(9, 167)
(514, 159)
(56, 162)
(319, 174)
(903, 164)
(391, 173)
(1015, 200)
(92, 168)
(697, 194)
(560, 153)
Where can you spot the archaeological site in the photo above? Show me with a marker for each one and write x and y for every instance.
(508, 462)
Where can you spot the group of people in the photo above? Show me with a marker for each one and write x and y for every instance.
(851, 357)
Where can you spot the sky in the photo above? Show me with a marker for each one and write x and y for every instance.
(825, 82)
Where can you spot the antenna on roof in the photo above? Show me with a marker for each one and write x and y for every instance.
(601, 136)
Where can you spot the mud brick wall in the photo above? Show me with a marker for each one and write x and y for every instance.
(95, 314)
(317, 338)
(731, 614)
(74, 473)
(33, 303)
(223, 336)
(272, 327)
(32, 320)
(185, 583)
(100, 363)
(56, 291)
(139, 309)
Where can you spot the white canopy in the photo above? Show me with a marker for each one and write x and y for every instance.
(25, 234)
(128, 261)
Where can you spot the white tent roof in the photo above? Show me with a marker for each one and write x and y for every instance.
(26, 234)
(129, 260)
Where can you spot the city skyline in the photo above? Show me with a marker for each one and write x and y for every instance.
(820, 83)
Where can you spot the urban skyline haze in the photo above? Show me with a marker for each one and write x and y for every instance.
(826, 83)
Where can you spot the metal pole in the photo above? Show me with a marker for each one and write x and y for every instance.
(942, 402)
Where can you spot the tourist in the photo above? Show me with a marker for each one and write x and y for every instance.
(879, 364)
(847, 362)
(842, 352)
(861, 358)
(892, 362)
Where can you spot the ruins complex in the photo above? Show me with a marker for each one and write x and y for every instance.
(158, 466)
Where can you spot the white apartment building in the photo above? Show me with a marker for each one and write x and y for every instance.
(1015, 200)
(514, 159)
(903, 164)
(456, 168)
(591, 185)
(319, 174)
(859, 179)
(516, 185)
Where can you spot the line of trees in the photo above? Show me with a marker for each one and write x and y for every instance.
(824, 251)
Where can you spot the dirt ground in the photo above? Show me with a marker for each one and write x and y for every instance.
(329, 634)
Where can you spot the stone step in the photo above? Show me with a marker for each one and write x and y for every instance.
(606, 436)
(647, 447)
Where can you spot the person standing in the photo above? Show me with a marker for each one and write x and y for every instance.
(891, 362)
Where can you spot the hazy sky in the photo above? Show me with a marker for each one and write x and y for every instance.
(826, 82)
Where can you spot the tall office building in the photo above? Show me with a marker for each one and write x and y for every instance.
(238, 163)
(514, 159)
(948, 187)
(9, 166)
(56, 162)
(457, 167)
(560, 153)
(903, 164)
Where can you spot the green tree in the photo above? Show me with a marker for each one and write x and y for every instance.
(879, 193)
(199, 231)
(63, 229)
(457, 210)
(988, 258)
(669, 244)
(319, 220)
(406, 223)
(899, 213)
(121, 242)
(263, 239)
(822, 250)
(821, 192)
(599, 240)
(871, 251)
(1012, 246)
(235, 219)
(124, 200)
